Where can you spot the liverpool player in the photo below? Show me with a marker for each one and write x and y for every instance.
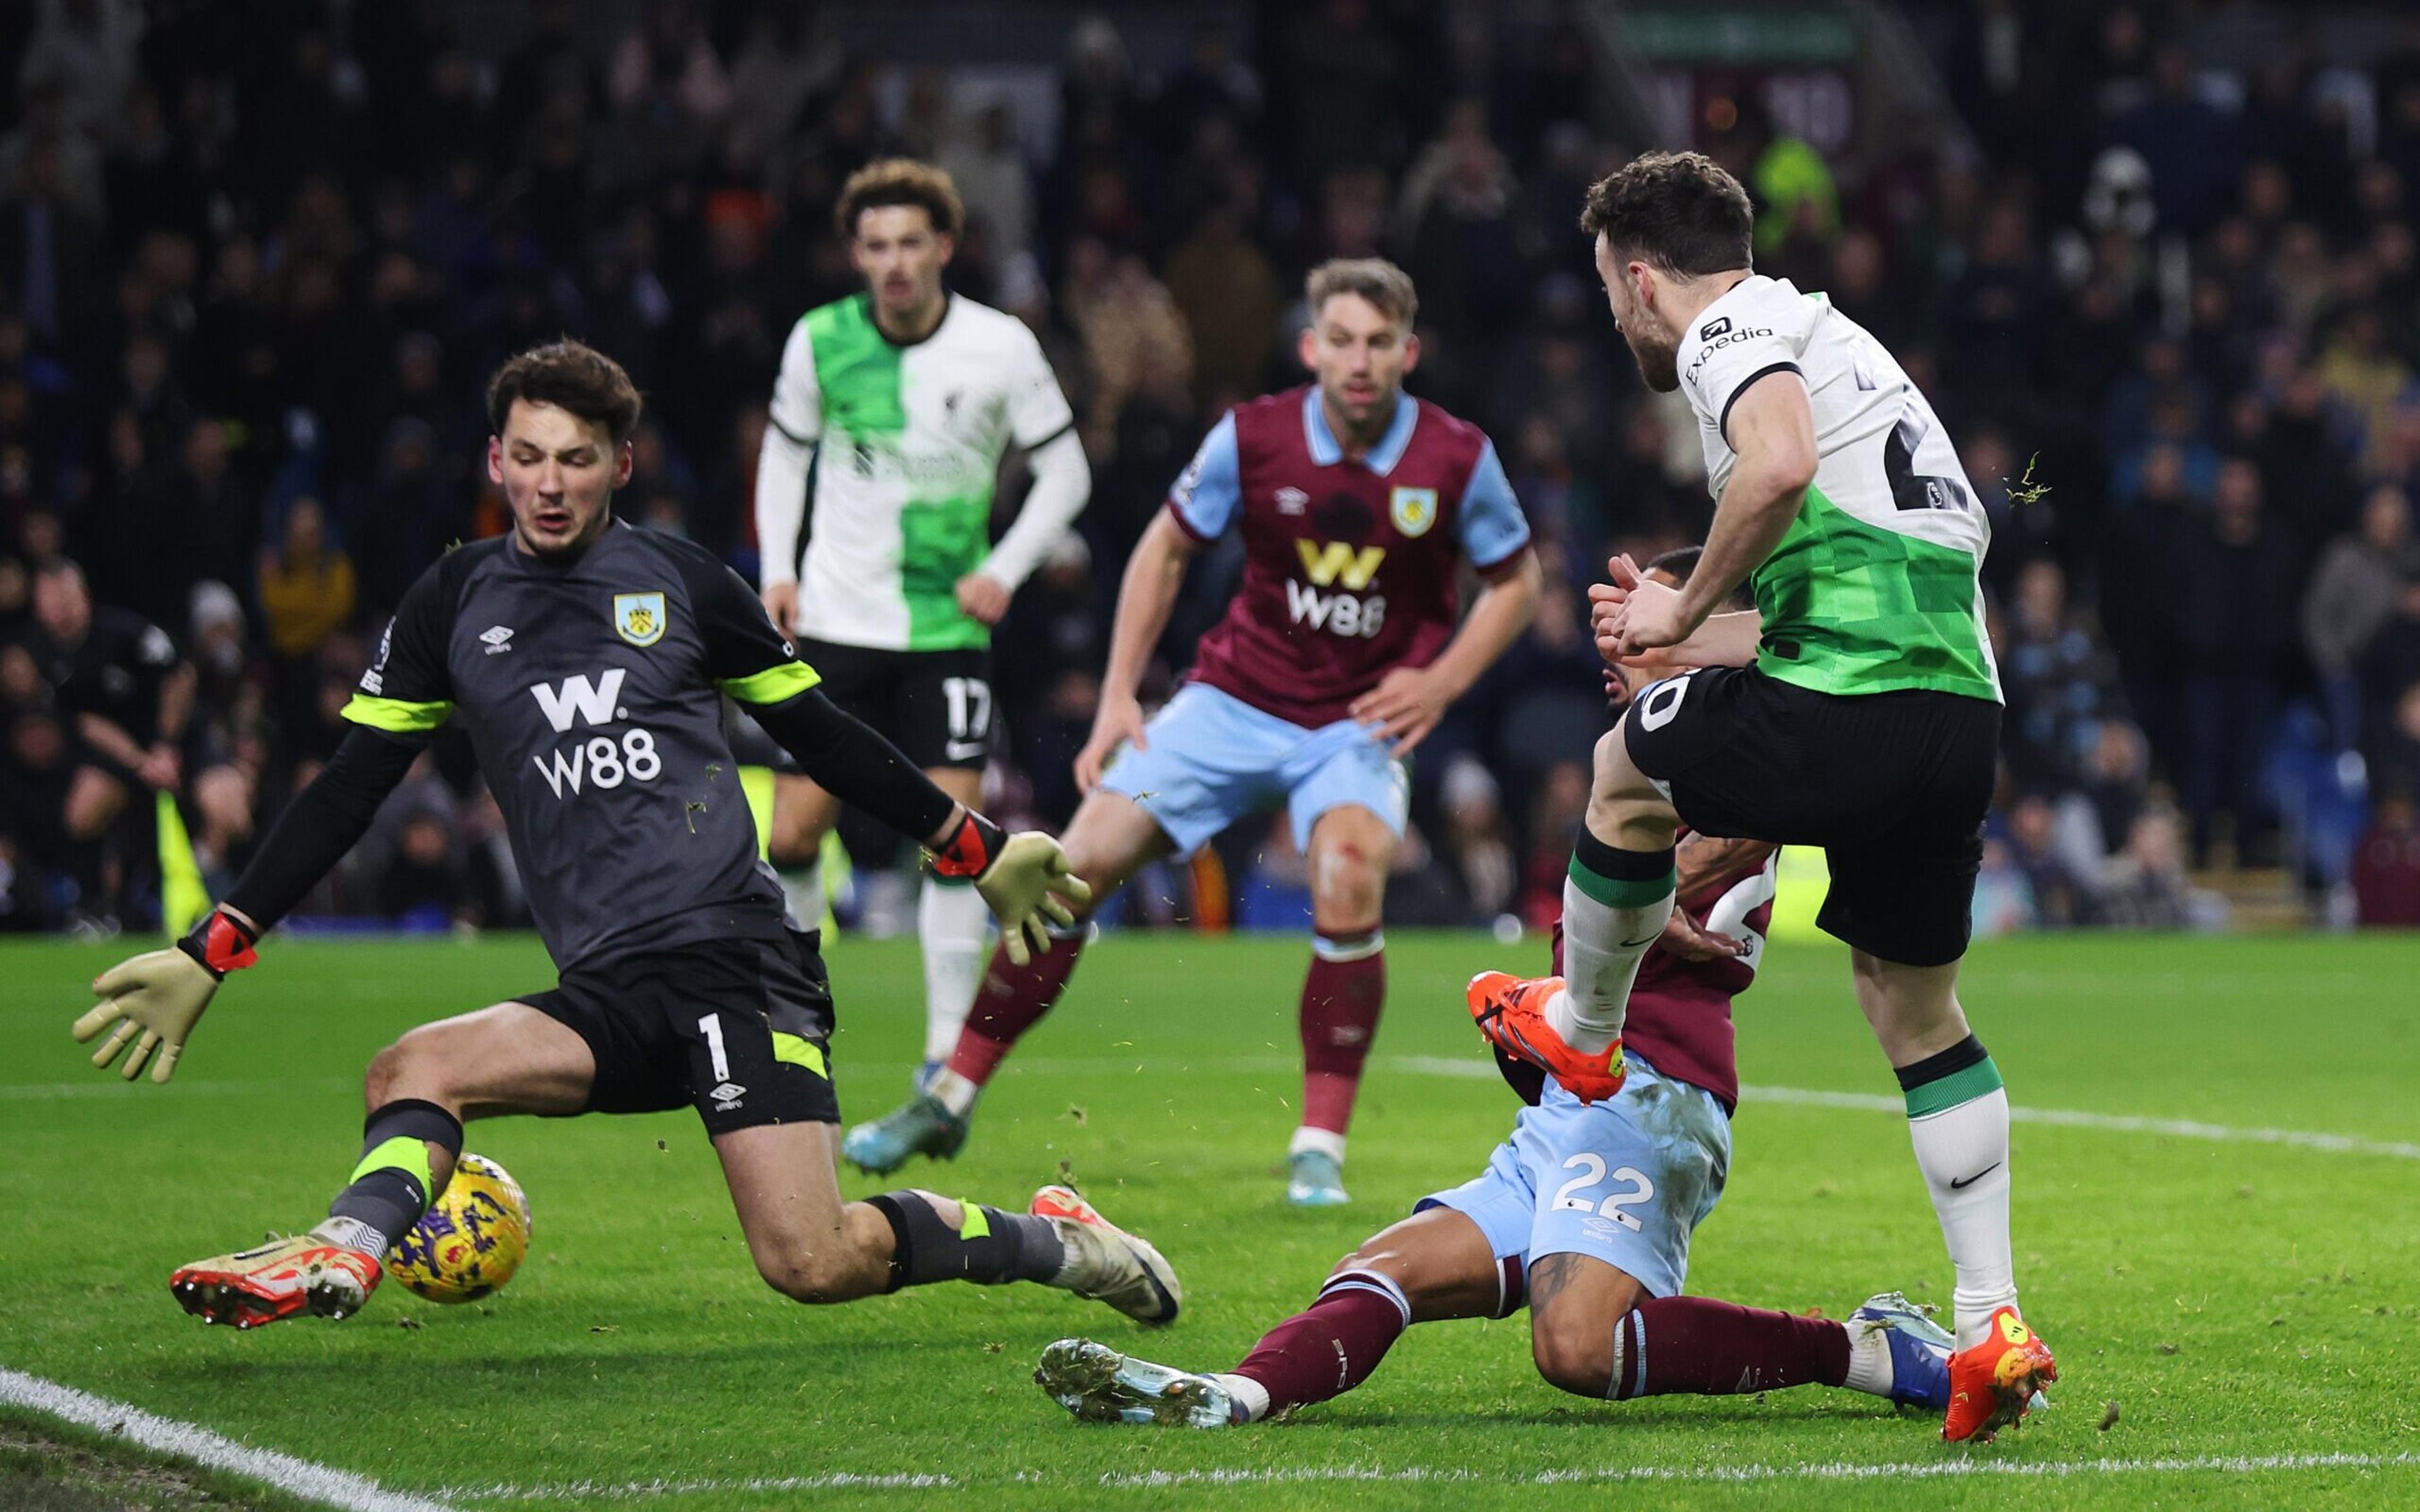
(1858, 709)
(901, 401)
(590, 660)
(1357, 506)
(1585, 1213)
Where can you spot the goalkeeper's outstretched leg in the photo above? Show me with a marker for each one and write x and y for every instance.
(806, 1241)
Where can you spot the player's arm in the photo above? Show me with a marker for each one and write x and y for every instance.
(1146, 598)
(1728, 640)
(1771, 427)
(110, 738)
(1201, 507)
(1702, 861)
(1409, 700)
(1706, 861)
(792, 427)
(1063, 482)
(758, 666)
(155, 999)
(1041, 422)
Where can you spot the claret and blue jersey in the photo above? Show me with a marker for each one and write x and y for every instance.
(1349, 563)
(1349, 573)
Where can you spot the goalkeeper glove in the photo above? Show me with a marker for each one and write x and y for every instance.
(1024, 878)
(159, 995)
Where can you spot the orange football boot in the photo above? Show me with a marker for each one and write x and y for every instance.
(1993, 1383)
(278, 1279)
(1511, 1013)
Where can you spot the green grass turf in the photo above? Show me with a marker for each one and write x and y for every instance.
(2236, 1299)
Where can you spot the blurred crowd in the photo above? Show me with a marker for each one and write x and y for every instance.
(244, 320)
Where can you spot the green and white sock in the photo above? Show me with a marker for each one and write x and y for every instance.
(1615, 902)
(1958, 1117)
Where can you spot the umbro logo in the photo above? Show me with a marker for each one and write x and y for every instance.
(726, 1097)
(1291, 501)
(499, 639)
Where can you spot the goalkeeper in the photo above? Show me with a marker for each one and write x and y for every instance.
(588, 659)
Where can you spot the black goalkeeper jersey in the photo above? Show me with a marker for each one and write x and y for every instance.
(591, 690)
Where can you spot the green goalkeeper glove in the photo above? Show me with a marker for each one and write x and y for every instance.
(1024, 878)
(159, 995)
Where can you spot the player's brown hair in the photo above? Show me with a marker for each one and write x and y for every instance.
(899, 182)
(1387, 287)
(1682, 562)
(570, 375)
(1679, 211)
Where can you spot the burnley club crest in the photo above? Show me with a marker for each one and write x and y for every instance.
(639, 617)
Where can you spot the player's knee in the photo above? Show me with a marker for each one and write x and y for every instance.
(1572, 1353)
(1371, 1255)
(1349, 881)
(796, 839)
(410, 1067)
(224, 796)
(386, 1070)
(1347, 896)
(91, 808)
(1099, 853)
(814, 1276)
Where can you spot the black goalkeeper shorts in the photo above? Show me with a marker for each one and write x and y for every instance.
(1893, 786)
(739, 1030)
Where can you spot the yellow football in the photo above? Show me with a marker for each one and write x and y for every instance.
(471, 1237)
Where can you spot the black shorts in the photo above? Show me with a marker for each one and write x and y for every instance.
(934, 705)
(1893, 786)
(739, 1030)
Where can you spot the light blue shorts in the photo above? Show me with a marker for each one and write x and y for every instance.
(1211, 759)
(1624, 1181)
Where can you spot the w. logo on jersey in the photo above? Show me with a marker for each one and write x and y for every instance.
(577, 698)
(1326, 561)
(639, 617)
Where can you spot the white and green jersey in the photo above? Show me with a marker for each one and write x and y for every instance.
(909, 439)
(1878, 584)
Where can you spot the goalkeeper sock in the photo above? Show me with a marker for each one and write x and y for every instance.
(1958, 1117)
(1615, 902)
(396, 1180)
(1341, 999)
(953, 925)
(987, 1246)
(1326, 1350)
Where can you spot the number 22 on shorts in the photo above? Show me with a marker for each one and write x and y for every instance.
(1591, 1169)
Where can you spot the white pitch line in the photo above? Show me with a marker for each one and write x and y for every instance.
(1835, 1471)
(297, 1477)
(1839, 1470)
(2336, 1144)
(587, 1490)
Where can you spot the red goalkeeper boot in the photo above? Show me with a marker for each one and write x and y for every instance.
(281, 1278)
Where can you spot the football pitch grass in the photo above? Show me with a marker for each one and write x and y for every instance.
(2249, 1300)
